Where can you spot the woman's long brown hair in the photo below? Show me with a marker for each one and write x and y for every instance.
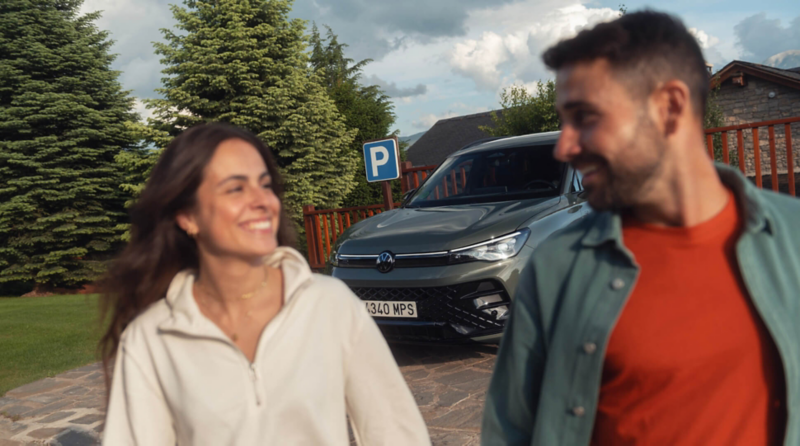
(158, 249)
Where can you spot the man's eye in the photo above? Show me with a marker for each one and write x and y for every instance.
(583, 118)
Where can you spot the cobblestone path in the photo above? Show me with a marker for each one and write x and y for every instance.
(448, 382)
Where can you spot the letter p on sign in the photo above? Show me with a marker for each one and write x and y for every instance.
(374, 152)
(382, 160)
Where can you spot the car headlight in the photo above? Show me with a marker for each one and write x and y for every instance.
(500, 248)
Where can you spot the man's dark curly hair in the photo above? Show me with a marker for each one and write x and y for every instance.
(644, 48)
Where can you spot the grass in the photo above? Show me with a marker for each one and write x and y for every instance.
(44, 336)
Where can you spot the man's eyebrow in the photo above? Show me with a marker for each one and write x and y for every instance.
(242, 178)
(571, 105)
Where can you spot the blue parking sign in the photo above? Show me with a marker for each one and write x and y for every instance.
(382, 160)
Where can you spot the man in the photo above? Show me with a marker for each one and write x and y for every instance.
(671, 315)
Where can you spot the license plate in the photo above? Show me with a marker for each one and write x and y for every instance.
(392, 309)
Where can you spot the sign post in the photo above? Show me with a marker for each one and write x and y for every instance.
(382, 162)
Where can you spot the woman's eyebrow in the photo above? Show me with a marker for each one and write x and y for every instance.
(242, 178)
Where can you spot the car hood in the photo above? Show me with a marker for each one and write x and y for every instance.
(435, 229)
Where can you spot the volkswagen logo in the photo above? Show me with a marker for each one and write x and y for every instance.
(385, 262)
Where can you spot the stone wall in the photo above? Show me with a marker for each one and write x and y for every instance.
(751, 103)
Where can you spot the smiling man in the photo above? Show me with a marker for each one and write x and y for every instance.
(669, 315)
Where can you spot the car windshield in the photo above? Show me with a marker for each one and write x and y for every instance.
(492, 175)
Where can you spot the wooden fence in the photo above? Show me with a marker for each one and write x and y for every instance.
(324, 226)
(749, 155)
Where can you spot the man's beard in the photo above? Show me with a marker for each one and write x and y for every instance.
(633, 173)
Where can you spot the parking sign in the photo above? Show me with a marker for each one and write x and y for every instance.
(382, 159)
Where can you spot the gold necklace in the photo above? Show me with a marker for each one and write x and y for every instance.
(244, 296)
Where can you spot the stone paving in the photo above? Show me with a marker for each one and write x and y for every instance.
(448, 382)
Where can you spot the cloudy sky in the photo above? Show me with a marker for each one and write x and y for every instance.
(443, 58)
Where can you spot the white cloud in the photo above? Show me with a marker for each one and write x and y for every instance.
(710, 46)
(703, 39)
(427, 120)
(512, 53)
(144, 113)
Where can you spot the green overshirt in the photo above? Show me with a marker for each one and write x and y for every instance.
(546, 382)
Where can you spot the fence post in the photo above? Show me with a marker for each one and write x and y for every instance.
(388, 202)
(310, 242)
(404, 180)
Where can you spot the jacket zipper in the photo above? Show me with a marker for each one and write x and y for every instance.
(251, 366)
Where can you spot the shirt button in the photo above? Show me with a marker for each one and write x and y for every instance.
(617, 284)
(589, 348)
(578, 411)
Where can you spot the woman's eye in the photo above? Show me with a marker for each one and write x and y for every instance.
(235, 189)
(267, 186)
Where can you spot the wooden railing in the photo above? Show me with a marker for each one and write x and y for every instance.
(412, 177)
(324, 226)
(717, 139)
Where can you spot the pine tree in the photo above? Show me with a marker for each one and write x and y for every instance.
(63, 119)
(244, 62)
(366, 109)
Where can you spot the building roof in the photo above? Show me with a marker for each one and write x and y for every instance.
(788, 78)
(448, 136)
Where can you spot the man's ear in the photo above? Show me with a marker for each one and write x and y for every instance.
(672, 102)
(186, 221)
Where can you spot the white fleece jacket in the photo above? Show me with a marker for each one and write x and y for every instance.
(179, 380)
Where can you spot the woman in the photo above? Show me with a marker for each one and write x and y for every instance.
(220, 334)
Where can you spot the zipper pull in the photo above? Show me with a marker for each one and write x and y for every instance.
(254, 378)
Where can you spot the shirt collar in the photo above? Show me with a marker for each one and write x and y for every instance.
(608, 225)
(185, 315)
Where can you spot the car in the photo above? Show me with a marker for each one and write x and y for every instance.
(445, 265)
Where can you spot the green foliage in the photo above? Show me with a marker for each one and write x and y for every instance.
(63, 120)
(714, 118)
(622, 9)
(243, 62)
(366, 109)
(524, 113)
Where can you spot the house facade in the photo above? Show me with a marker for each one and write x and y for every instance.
(747, 93)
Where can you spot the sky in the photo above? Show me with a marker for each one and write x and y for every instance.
(445, 58)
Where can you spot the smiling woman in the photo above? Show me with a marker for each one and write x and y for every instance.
(214, 314)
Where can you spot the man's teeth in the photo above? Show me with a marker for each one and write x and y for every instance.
(587, 170)
(260, 225)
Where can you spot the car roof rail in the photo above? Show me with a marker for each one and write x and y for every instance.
(482, 140)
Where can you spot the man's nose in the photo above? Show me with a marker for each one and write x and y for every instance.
(567, 147)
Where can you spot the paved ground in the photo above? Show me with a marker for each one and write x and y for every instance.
(448, 382)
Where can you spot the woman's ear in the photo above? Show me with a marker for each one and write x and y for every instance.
(187, 222)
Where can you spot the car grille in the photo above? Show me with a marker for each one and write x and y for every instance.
(448, 310)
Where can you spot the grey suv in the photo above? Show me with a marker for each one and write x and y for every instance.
(445, 266)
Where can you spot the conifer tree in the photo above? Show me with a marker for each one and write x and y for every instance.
(244, 62)
(366, 109)
(63, 119)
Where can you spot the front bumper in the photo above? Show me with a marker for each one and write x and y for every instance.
(446, 313)
(444, 297)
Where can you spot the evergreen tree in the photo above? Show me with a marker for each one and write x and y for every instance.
(244, 62)
(366, 109)
(524, 112)
(63, 119)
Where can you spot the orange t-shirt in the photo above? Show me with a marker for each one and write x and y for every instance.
(689, 361)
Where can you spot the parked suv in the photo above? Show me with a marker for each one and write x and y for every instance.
(445, 266)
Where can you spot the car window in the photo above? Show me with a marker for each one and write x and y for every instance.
(498, 175)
